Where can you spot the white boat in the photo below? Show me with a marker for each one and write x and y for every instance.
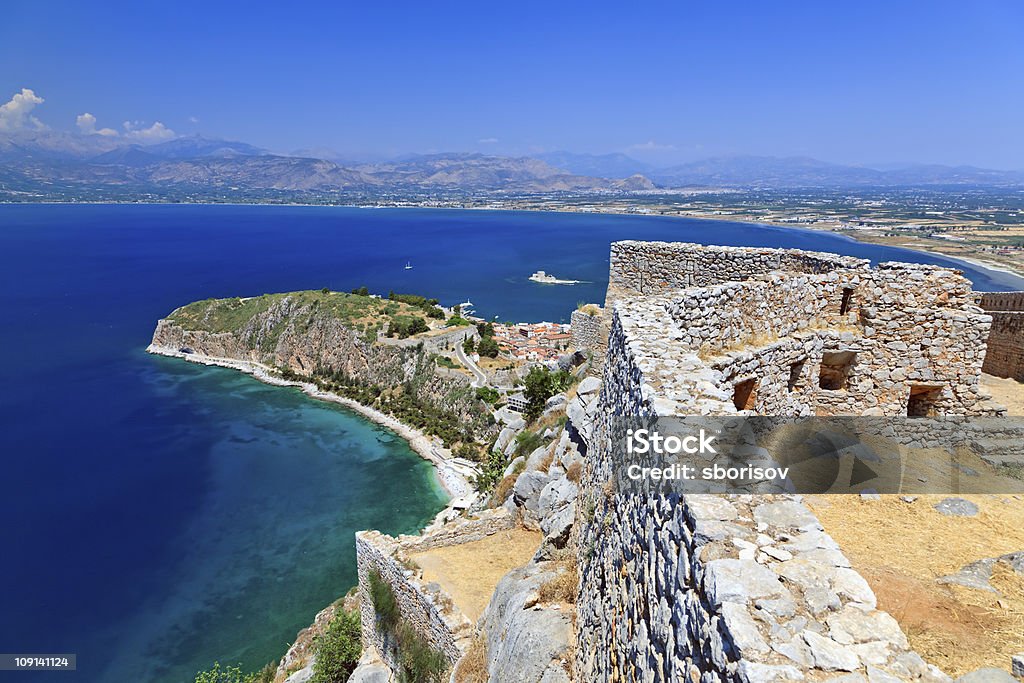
(546, 279)
(408, 265)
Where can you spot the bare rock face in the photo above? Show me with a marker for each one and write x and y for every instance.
(525, 643)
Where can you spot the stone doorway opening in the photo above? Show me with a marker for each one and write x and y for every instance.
(835, 369)
(744, 394)
(923, 400)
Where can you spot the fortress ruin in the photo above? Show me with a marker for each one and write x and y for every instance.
(744, 587)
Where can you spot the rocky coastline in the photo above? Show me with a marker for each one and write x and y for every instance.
(454, 482)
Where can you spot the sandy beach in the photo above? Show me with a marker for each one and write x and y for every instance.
(451, 479)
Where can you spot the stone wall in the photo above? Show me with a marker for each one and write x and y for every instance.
(1003, 301)
(690, 587)
(714, 588)
(648, 268)
(846, 342)
(587, 330)
(439, 342)
(1005, 356)
(422, 606)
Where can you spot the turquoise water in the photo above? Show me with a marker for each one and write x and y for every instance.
(158, 515)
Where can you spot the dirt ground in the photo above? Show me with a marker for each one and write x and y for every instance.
(902, 548)
(1006, 391)
(469, 572)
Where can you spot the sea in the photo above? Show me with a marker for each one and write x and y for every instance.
(157, 516)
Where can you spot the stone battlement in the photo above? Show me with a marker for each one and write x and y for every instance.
(716, 588)
(850, 340)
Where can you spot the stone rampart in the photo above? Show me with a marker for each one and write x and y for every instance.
(587, 329)
(714, 588)
(1005, 357)
(709, 588)
(649, 268)
(1003, 301)
(423, 607)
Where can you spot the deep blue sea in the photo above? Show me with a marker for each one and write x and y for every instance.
(156, 515)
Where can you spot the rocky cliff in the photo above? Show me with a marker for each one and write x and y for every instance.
(330, 338)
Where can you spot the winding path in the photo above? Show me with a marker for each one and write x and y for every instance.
(479, 378)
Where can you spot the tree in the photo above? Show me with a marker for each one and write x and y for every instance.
(338, 649)
(487, 347)
(229, 674)
(485, 330)
(542, 384)
(468, 346)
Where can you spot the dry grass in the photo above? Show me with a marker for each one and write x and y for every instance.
(562, 587)
(902, 548)
(1008, 392)
(575, 472)
(468, 572)
(503, 489)
(472, 668)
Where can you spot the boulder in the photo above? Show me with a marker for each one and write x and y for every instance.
(525, 644)
(590, 385)
(557, 526)
(956, 507)
(987, 675)
(557, 494)
(370, 672)
(527, 491)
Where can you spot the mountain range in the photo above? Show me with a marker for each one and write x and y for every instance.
(42, 162)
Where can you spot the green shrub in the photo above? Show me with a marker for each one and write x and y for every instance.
(384, 603)
(527, 442)
(229, 674)
(487, 347)
(338, 649)
(419, 662)
(542, 384)
(488, 395)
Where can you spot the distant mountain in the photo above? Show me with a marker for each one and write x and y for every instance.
(792, 172)
(193, 146)
(50, 145)
(194, 164)
(45, 163)
(616, 165)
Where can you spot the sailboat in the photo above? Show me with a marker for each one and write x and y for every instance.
(408, 265)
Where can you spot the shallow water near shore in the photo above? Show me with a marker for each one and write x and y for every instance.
(159, 515)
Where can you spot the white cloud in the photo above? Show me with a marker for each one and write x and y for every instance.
(487, 141)
(17, 113)
(651, 146)
(154, 133)
(87, 126)
(193, 119)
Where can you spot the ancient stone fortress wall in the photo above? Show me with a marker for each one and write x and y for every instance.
(587, 330)
(690, 587)
(424, 607)
(648, 268)
(1005, 357)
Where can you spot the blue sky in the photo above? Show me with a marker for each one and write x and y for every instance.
(851, 82)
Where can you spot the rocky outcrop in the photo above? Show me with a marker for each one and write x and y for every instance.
(526, 644)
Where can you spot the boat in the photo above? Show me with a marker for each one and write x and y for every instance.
(546, 279)
(408, 265)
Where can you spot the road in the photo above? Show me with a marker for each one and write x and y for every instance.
(479, 378)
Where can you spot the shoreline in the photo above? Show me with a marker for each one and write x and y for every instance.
(453, 482)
